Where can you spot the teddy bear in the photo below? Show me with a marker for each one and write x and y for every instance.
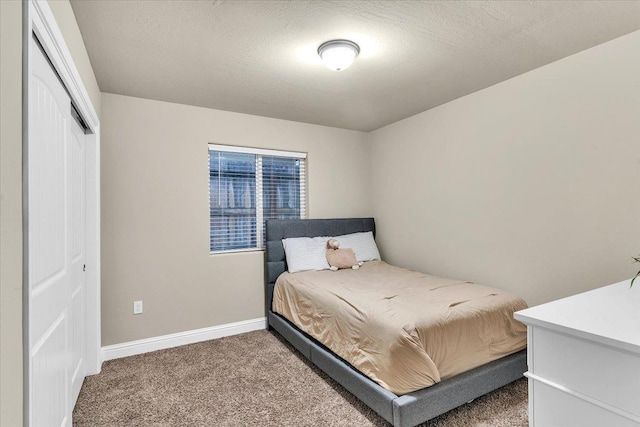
(341, 258)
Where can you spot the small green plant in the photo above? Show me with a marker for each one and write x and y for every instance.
(635, 259)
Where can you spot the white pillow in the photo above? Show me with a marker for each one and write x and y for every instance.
(362, 244)
(306, 253)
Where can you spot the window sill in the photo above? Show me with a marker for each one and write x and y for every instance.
(236, 251)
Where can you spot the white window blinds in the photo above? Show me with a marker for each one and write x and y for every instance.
(248, 186)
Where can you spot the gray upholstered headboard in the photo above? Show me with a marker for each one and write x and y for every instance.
(278, 229)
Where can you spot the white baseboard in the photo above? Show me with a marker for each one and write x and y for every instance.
(146, 345)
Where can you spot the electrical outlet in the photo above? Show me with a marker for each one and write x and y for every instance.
(137, 307)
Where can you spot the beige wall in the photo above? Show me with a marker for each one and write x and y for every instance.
(63, 13)
(155, 211)
(531, 185)
(10, 213)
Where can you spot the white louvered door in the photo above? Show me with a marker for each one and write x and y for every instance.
(56, 221)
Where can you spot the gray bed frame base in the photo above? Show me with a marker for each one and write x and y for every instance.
(402, 411)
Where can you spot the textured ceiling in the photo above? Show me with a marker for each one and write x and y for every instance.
(259, 57)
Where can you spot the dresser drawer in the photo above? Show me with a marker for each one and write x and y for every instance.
(603, 373)
(555, 408)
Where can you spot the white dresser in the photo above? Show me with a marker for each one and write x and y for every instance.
(584, 359)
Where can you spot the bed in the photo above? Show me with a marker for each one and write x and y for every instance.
(401, 410)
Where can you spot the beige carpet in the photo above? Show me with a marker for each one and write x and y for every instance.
(253, 379)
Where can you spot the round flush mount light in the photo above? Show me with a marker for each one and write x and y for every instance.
(338, 54)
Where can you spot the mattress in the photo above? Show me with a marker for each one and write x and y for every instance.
(403, 329)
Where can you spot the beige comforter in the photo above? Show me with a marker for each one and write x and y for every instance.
(405, 330)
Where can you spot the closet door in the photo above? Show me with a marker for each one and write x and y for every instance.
(56, 248)
(77, 201)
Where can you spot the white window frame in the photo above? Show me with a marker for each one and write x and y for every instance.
(260, 152)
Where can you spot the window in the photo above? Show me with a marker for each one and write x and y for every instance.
(247, 186)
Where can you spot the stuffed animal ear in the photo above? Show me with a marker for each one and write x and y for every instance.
(333, 244)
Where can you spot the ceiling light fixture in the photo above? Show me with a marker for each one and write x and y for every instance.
(338, 54)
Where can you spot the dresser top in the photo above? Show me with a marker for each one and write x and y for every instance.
(609, 315)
